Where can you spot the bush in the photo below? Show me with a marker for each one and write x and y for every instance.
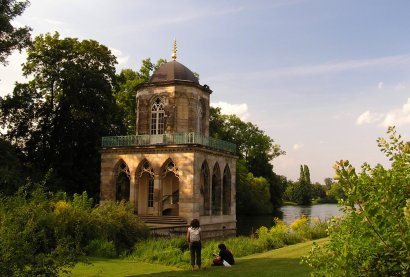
(101, 248)
(162, 250)
(372, 239)
(32, 243)
(116, 222)
(42, 234)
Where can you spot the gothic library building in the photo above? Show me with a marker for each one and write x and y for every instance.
(171, 167)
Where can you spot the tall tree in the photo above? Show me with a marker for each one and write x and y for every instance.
(306, 174)
(127, 81)
(59, 117)
(12, 38)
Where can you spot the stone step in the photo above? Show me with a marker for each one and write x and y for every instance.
(166, 220)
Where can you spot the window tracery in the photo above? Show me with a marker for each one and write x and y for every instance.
(157, 117)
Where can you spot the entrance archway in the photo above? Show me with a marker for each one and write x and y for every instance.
(170, 189)
(145, 194)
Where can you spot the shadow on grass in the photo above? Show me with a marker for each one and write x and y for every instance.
(250, 267)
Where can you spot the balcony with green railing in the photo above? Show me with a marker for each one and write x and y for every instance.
(168, 139)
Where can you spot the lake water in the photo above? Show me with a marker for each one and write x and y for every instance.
(246, 225)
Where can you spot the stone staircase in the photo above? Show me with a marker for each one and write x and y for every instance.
(163, 221)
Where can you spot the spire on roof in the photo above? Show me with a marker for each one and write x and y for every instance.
(174, 50)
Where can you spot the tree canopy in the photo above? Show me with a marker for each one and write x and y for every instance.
(12, 38)
(59, 117)
(127, 81)
(256, 150)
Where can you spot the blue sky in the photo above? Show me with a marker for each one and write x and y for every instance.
(323, 78)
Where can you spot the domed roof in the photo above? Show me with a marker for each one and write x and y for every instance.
(172, 71)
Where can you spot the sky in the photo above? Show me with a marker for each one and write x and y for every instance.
(323, 78)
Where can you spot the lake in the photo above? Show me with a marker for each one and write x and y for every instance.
(246, 225)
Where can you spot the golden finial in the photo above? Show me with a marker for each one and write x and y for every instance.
(174, 50)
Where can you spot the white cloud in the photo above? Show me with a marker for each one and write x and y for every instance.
(368, 117)
(297, 146)
(395, 117)
(380, 85)
(398, 117)
(121, 58)
(240, 110)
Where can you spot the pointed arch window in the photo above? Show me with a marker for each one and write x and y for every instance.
(216, 191)
(205, 190)
(122, 183)
(157, 117)
(226, 191)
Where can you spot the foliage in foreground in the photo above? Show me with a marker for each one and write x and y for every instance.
(11, 37)
(373, 237)
(42, 234)
(175, 251)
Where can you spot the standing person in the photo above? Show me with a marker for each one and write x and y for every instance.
(194, 239)
(224, 255)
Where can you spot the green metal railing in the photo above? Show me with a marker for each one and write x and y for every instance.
(168, 139)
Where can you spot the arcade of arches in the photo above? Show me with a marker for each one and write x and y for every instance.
(167, 202)
(197, 183)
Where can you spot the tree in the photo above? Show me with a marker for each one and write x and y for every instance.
(300, 192)
(253, 196)
(372, 238)
(127, 81)
(59, 117)
(318, 191)
(255, 148)
(11, 172)
(12, 38)
(328, 183)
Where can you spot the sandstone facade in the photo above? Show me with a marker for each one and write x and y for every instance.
(171, 166)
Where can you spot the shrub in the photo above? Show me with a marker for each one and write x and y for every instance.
(162, 250)
(116, 222)
(31, 241)
(101, 248)
(42, 234)
(372, 239)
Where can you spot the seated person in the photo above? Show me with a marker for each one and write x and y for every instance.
(224, 255)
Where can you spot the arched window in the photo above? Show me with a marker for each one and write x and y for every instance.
(157, 117)
(226, 191)
(205, 190)
(216, 191)
(122, 191)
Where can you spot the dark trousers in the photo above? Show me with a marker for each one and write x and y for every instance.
(195, 249)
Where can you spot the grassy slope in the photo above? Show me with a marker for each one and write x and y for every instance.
(280, 262)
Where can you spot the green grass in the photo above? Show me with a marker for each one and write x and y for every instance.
(280, 262)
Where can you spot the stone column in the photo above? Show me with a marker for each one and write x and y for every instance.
(133, 194)
(157, 209)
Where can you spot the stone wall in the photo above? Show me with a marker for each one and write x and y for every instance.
(182, 104)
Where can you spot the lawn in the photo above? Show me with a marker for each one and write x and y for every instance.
(280, 262)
